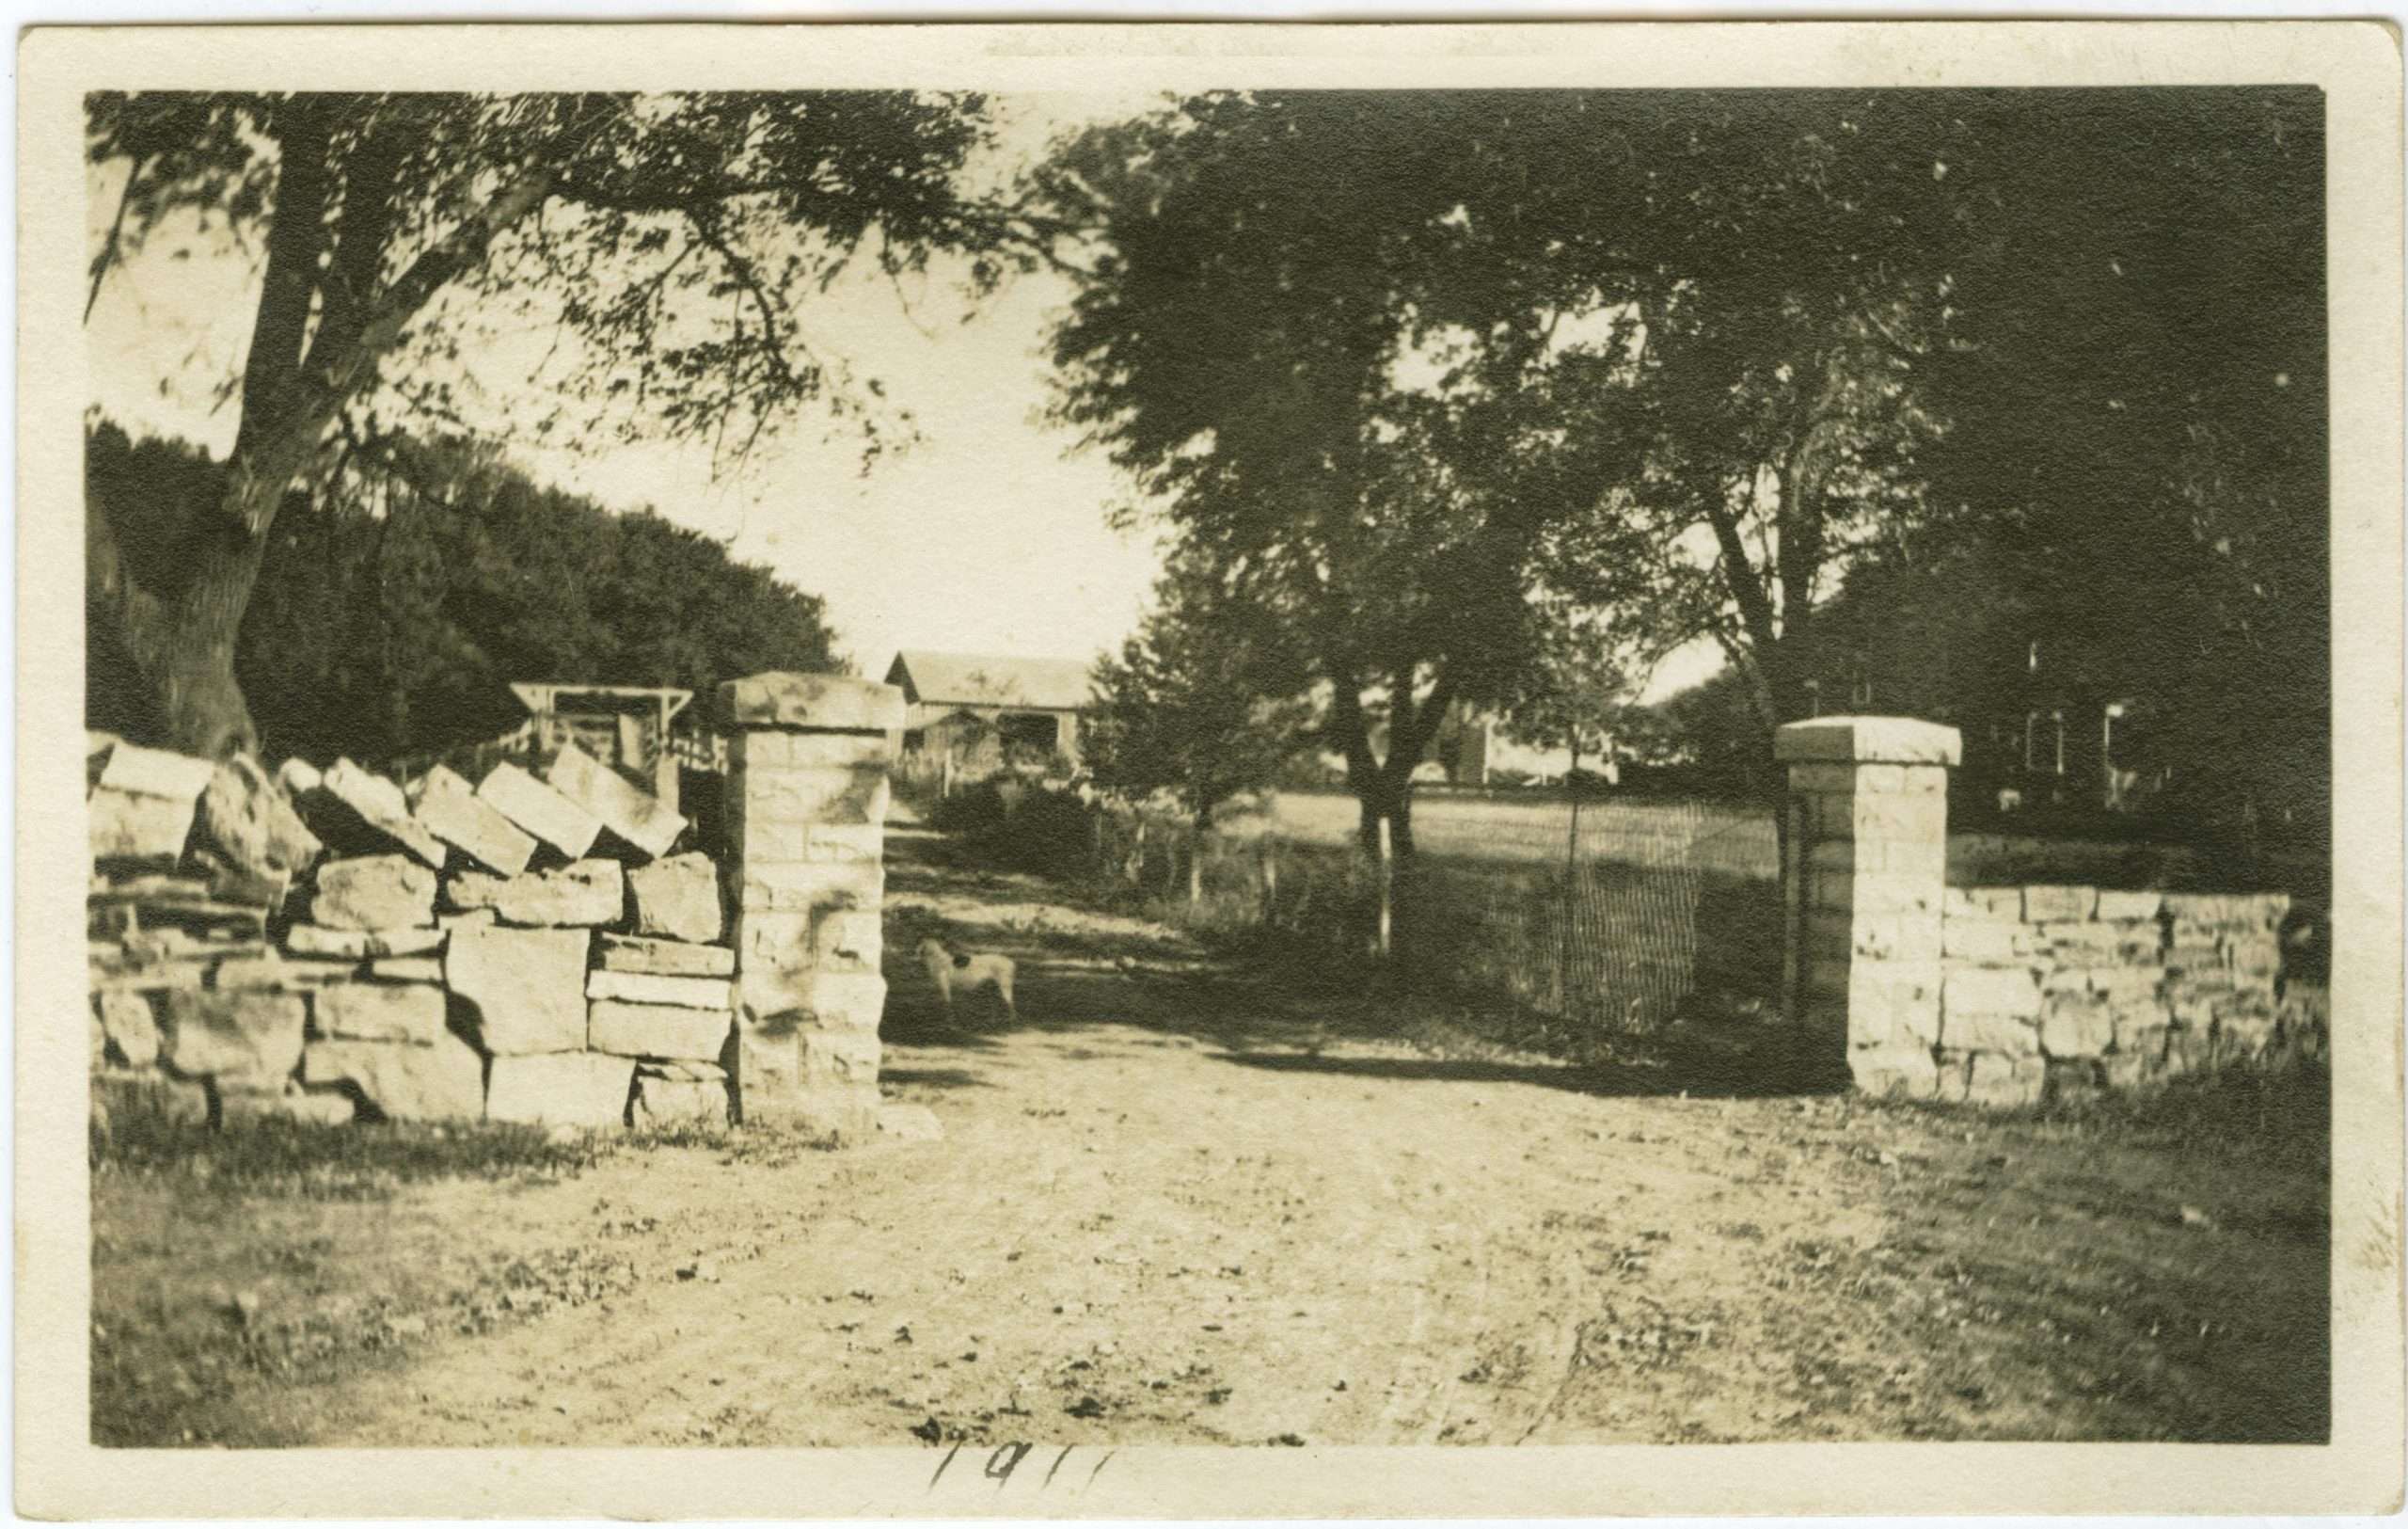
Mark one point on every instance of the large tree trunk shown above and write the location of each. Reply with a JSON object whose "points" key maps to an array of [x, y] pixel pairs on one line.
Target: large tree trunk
{"points": [[295, 379], [181, 641]]}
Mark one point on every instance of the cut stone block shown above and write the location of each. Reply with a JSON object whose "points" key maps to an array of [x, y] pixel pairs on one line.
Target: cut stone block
{"points": [[2007, 1034], [849, 939], [2123, 983], [768, 1071], [115, 968], [677, 898], [2052, 904], [636, 816], [848, 1058], [540, 810], [664, 1101], [822, 703], [2003, 1082], [247, 1038], [574, 1087], [2077, 1026], [376, 805], [362, 944], [131, 1025], [1985, 990], [299, 777], [805, 887], [526, 985], [588, 893], [767, 840], [452, 812], [847, 1000], [853, 795], [647, 987], [156, 773], [684, 1070], [2130, 905], [835, 1000], [406, 969], [265, 969], [373, 892], [244, 1107], [133, 827], [839, 1079], [650, 1030], [1991, 941], [666, 958], [466, 917], [2219, 911], [1908, 1071], [441, 1081], [246, 817], [763, 750], [261, 889], [410, 1012]]}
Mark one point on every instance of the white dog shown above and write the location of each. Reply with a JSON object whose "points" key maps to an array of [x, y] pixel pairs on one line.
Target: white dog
{"points": [[968, 973]]}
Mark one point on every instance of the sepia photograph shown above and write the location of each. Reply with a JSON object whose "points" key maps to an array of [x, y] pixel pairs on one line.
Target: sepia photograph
{"points": [[1010, 771]]}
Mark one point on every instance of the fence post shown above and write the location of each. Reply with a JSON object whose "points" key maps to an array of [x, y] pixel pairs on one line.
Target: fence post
{"points": [[1270, 885], [1868, 865], [806, 812], [1387, 886]]}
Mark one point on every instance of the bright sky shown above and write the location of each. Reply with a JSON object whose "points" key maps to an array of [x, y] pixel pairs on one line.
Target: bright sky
{"points": [[986, 535]]}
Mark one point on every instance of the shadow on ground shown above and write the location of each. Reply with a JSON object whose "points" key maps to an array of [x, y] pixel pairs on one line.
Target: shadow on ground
{"points": [[1082, 964], [1701, 1076]]}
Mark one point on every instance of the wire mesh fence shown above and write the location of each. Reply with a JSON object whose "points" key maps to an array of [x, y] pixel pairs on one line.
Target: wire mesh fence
{"points": [[1595, 919]]}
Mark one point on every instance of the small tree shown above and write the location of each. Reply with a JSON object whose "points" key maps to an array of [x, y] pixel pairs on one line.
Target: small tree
{"points": [[1203, 704], [1263, 340]]}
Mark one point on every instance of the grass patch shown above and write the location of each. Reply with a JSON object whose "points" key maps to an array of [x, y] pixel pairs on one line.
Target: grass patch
{"points": [[299, 1159], [234, 1270]]}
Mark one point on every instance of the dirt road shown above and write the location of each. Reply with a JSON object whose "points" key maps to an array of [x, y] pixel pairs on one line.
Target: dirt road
{"points": [[1167, 1208]]}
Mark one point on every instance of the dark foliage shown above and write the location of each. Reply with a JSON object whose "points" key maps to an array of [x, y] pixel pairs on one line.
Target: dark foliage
{"points": [[401, 601]]}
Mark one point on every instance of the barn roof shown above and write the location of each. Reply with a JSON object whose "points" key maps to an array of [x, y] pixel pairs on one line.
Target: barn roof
{"points": [[990, 679]]}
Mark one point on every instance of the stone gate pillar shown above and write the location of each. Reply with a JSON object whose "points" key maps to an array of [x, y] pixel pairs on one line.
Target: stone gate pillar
{"points": [[1867, 861], [806, 814]]}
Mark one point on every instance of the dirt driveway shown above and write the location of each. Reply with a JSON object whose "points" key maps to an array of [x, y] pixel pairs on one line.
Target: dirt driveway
{"points": [[1170, 1208]]}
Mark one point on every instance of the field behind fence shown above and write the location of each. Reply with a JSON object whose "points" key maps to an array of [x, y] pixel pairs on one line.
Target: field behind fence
{"points": [[1576, 929]]}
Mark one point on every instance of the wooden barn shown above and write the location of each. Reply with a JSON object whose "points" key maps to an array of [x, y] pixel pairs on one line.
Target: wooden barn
{"points": [[987, 710]]}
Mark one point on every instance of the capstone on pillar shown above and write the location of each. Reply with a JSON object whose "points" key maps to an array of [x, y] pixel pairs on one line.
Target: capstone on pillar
{"points": [[1867, 863], [806, 805]]}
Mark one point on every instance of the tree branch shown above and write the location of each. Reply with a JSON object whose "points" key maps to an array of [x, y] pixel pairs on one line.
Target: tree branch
{"points": [[110, 246]]}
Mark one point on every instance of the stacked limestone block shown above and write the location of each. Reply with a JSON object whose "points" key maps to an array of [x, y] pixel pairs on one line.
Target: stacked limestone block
{"points": [[2050, 988], [2225, 987], [191, 863], [807, 793], [1869, 839], [510, 951]]}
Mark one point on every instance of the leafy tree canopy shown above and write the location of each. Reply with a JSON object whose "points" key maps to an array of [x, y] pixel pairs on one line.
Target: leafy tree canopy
{"points": [[398, 603]]}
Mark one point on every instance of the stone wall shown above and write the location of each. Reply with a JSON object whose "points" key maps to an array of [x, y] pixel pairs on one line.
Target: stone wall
{"points": [[325, 946], [1867, 846], [2008, 994], [806, 796], [2047, 989]]}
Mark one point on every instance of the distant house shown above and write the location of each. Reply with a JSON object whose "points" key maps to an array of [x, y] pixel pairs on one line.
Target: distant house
{"points": [[983, 710]]}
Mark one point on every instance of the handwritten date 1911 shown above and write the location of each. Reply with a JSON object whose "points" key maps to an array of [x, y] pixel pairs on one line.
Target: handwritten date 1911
{"points": [[1006, 1459]]}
